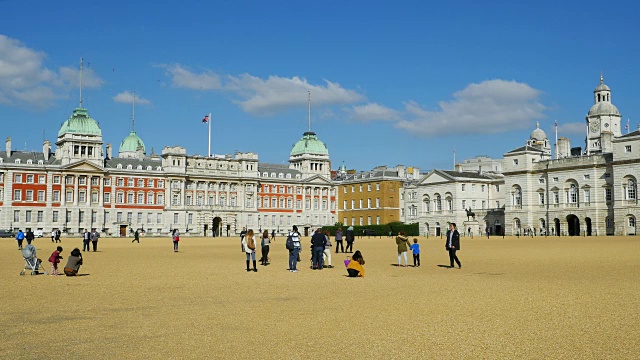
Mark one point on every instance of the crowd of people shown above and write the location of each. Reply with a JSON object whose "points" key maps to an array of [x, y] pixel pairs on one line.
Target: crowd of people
{"points": [[29, 253]]}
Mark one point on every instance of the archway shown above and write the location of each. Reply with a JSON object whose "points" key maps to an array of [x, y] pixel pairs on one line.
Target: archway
{"points": [[216, 226], [437, 229], [556, 229], [631, 225], [426, 228], [587, 222], [573, 224]]}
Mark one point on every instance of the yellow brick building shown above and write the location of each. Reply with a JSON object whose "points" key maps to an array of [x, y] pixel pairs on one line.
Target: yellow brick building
{"points": [[374, 197]]}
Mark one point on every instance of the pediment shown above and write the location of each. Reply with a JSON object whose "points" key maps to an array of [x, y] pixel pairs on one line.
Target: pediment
{"points": [[435, 177], [318, 180], [83, 165]]}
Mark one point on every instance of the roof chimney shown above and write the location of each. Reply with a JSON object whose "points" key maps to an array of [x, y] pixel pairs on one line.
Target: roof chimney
{"points": [[46, 149], [8, 146], [109, 151]]}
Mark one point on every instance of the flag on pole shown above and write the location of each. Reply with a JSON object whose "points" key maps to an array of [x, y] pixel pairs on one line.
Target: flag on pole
{"points": [[205, 119], [556, 123]]}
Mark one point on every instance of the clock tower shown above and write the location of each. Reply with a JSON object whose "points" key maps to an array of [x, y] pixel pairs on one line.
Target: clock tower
{"points": [[603, 117]]}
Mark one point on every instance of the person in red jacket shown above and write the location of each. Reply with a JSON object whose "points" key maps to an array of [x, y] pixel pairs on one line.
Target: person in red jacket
{"points": [[54, 259]]}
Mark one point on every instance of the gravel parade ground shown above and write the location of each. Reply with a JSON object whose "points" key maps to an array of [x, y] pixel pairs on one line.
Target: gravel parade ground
{"points": [[526, 298]]}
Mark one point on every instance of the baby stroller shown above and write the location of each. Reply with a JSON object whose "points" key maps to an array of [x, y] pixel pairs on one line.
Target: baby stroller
{"points": [[32, 263]]}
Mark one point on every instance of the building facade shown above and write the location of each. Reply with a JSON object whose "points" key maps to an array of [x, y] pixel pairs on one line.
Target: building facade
{"points": [[80, 186]]}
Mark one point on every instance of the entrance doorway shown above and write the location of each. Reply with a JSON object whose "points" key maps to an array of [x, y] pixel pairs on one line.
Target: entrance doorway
{"points": [[556, 228], [215, 226], [574, 225], [123, 230], [206, 227], [587, 222], [437, 229]]}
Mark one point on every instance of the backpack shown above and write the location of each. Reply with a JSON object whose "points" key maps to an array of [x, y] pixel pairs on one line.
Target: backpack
{"points": [[289, 243], [250, 244]]}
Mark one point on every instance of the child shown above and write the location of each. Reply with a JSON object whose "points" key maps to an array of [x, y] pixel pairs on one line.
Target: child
{"points": [[54, 259], [415, 248]]}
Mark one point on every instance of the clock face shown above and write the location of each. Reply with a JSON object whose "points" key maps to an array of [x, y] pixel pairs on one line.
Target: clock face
{"points": [[606, 125], [595, 126]]}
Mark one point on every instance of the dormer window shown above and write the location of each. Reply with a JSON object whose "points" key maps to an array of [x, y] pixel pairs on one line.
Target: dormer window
{"points": [[280, 175], [129, 167], [265, 174], [29, 162], [17, 161], [273, 175], [40, 162], [149, 168], [159, 168], [288, 176], [139, 167], [119, 166]]}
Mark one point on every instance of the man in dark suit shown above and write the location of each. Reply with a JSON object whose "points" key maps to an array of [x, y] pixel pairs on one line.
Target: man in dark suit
{"points": [[453, 244]]}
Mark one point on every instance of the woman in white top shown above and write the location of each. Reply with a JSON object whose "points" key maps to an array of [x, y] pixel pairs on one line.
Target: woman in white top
{"points": [[249, 246]]}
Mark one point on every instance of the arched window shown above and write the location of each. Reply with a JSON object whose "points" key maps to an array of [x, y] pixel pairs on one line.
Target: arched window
{"points": [[572, 194], [438, 203], [631, 189], [517, 197]]}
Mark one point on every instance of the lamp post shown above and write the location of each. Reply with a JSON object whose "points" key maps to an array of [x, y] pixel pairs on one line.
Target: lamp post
{"points": [[259, 224], [187, 222]]}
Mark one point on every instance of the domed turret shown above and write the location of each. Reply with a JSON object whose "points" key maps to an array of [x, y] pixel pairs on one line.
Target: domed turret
{"points": [[309, 144], [129, 146], [80, 123], [538, 134], [603, 108]]}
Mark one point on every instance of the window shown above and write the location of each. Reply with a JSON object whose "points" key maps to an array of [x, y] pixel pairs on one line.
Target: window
{"points": [[607, 175], [159, 218], [107, 197], [42, 179], [556, 197], [473, 188], [482, 188], [16, 215], [368, 220], [69, 196], [473, 204], [129, 217], [130, 198], [438, 203], [632, 222], [360, 204], [377, 202], [160, 183], [572, 194], [378, 220], [82, 180], [541, 198], [130, 182], [627, 148], [587, 196], [119, 217], [29, 179], [541, 180], [120, 198], [107, 182], [517, 197], [344, 188], [68, 180], [353, 204], [369, 204], [353, 188], [463, 186], [631, 189], [55, 216], [139, 218], [464, 204], [175, 218], [484, 204], [515, 161], [361, 188], [161, 199], [17, 195], [140, 199], [17, 178], [28, 216], [120, 182], [40, 195], [555, 179], [586, 176], [56, 179], [29, 195], [377, 187], [344, 204], [150, 198], [56, 196], [140, 182], [94, 181], [368, 187], [82, 196]]}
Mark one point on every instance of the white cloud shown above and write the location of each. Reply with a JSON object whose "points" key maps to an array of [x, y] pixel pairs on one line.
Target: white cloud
{"points": [[373, 111], [127, 98], [184, 78], [492, 106], [25, 81], [261, 96], [573, 128]]}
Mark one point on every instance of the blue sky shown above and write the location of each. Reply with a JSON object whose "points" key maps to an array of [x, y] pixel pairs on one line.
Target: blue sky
{"points": [[391, 82]]}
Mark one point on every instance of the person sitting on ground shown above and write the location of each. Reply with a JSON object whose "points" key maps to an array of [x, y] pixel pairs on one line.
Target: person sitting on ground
{"points": [[73, 263], [355, 268]]}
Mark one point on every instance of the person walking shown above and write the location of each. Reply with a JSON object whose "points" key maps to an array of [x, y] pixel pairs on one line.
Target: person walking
{"points": [[351, 237], [452, 245], [264, 244], [327, 249], [94, 236], [175, 235], [58, 233], [29, 236], [136, 237], [86, 238], [273, 234], [53, 235], [249, 245], [403, 245], [318, 242], [20, 238], [339, 244], [295, 249]]}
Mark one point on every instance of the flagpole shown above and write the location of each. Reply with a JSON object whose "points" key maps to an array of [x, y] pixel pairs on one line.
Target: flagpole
{"points": [[557, 139], [209, 123]]}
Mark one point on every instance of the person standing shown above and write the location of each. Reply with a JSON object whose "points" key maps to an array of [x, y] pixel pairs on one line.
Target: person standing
{"points": [[403, 245], [86, 238], [94, 236], [327, 249], [20, 238], [58, 233], [249, 245], [339, 244], [318, 242], [53, 235], [295, 251], [273, 234], [351, 237], [264, 244], [242, 234], [54, 259], [136, 237], [452, 245], [415, 249], [175, 235]]}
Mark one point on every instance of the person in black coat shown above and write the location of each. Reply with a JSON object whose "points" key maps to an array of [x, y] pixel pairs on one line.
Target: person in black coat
{"points": [[350, 237], [453, 244], [318, 243]]}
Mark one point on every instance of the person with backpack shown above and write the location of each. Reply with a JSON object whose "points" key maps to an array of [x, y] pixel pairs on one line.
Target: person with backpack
{"points": [[294, 246], [249, 246]]}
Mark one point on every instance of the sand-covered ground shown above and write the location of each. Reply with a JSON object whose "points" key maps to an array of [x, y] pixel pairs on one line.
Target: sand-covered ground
{"points": [[553, 298]]}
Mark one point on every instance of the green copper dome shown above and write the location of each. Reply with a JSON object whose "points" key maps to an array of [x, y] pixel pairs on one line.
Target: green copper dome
{"points": [[131, 143], [80, 123], [309, 144]]}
